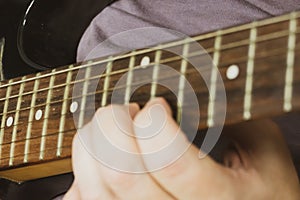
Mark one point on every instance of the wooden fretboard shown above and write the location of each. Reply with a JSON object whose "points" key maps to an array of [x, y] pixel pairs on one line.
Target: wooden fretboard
{"points": [[259, 64]]}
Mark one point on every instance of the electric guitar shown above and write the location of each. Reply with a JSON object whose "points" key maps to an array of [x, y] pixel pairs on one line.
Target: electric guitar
{"points": [[259, 64]]}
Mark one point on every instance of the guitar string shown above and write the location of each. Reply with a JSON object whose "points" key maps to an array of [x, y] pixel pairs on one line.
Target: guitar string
{"points": [[276, 51], [52, 150], [88, 94], [66, 147], [46, 149], [114, 73], [49, 88], [98, 92], [281, 19], [56, 133], [38, 137], [66, 133], [231, 46], [55, 148]]}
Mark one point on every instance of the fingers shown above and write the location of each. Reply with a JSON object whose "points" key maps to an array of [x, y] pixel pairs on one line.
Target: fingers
{"points": [[178, 162], [106, 157], [111, 151]]}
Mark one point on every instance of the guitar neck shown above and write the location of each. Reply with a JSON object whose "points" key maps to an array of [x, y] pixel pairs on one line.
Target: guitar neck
{"points": [[258, 63]]}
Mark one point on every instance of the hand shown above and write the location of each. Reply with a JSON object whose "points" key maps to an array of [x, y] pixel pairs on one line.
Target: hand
{"points": [[256, 166]]}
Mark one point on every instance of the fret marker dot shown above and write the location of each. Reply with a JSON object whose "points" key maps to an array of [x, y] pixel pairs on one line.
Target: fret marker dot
{"points": [[38, 114], [232, 72], [9, 121], [145, 61], [74, 107]]}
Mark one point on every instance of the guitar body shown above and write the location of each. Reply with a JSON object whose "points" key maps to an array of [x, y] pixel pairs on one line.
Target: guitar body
{"points": [[45, 40], [40, 189]]}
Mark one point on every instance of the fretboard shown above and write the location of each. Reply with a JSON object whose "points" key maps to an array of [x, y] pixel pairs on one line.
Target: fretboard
{"points": [[259, 64]]}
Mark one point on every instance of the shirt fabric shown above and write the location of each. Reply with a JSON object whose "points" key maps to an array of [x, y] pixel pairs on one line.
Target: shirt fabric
{"points": [[191, 17]]}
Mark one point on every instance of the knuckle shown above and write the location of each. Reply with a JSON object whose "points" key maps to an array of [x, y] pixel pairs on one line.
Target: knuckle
{"points": [[120, 179]]}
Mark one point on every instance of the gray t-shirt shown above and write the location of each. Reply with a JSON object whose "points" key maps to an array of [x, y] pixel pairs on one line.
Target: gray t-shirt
{"points": [[190, 17]]}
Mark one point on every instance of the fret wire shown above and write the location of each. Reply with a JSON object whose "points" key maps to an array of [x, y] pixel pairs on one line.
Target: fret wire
{"points": [[100, 92], [63, 115], [172, 44], [271, 53], [213, 81], [184, 64], [2, 45], [124, 70], [32, 153], [288, 90], [30, 119], [48, 135], [14, 133], [129, 80], [8, 91], [46, 115], [106, 83], [248, 26], [259, 39], [73, 82], [209, 50], [188, 71], [208, 35], [155, 73], [52, 134], [83, 100], [59, 101], [138, 83], [249, 73]]}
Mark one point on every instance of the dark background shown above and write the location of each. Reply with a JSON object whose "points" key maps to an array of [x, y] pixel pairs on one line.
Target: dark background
{"points": [[10, 14], [51, 34]]}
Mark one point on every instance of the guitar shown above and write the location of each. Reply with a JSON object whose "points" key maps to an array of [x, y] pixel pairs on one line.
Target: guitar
{"points": [[37, 124]]}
